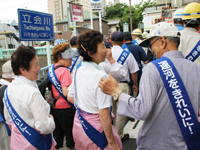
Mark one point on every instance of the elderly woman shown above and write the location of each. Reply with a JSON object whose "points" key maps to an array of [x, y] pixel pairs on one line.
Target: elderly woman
{"points": [[94, 129], [63, 112], [25, 109]]}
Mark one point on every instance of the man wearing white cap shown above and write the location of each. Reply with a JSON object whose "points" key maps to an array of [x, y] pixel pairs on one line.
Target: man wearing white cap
{"points": [[7, 77], [168, 100]]}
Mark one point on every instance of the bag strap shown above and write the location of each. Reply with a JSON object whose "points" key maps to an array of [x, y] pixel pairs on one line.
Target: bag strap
{"points": [[59, 93], [180, 102], [2, 89], [56, 83]]}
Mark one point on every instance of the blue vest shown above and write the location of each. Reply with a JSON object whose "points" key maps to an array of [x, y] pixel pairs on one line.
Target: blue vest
{"points": [[32, 136], [180, 102]]}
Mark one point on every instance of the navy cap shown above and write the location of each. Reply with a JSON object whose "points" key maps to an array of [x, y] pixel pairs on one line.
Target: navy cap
{"points": [[117, 36], [59, 32], [73, 41]]}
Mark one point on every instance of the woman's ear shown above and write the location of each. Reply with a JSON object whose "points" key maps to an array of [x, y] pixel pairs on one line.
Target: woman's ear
{"points": [[89, 53], [60, 58], [23, 71]]}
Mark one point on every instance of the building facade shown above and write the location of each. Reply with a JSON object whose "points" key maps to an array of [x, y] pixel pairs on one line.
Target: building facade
{"points": [[116, 2], [59, 8], [175, 3], [62, 25]]}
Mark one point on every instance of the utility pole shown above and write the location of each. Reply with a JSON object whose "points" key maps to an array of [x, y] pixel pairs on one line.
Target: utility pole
{"points": [[131, 16]]}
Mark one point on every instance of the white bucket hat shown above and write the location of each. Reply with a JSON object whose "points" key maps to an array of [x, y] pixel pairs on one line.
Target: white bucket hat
{"points": [[7, 71], [161, 29]]}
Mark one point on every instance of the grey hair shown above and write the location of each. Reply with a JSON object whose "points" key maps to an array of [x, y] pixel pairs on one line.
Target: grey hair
{"points": [[174, 40]]}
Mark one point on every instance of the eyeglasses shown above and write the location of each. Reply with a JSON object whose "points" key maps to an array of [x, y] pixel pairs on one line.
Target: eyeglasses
{"points": [[152, 43]]}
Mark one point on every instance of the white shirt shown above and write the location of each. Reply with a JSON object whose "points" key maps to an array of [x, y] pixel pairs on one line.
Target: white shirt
{"points": [[90, 98], [188, 40], [129, 65], [138, 40], [78, 61], [27, 101], [4, 82]]}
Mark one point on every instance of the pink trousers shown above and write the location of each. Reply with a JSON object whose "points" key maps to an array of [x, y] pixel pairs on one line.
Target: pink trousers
{"points": [[18, 141], [82, 141]]}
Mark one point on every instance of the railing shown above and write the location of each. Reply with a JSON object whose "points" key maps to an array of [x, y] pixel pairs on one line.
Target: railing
{"points": [[6, 53], [43, 71]]}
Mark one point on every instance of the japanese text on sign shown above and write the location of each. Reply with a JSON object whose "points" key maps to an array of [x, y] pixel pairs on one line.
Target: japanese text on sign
{"points": [[35, 26]]}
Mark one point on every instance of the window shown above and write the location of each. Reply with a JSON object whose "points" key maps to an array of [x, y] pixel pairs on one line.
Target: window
{"points": [[188, 1], [87, 26], [65, 28]]}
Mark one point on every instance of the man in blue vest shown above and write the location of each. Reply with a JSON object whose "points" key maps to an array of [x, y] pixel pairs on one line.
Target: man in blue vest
{"points": [[168, 99], [108, 42], [177, 18], [137, 51], [60, 39], [136, 36]]}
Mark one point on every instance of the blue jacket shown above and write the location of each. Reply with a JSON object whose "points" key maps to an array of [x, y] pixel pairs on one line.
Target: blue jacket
{"points": [[107, 43]]}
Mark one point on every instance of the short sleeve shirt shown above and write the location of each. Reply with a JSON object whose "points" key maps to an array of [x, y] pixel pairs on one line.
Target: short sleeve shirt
{"points": [[129, 65], [90, 98], [64, 77], [137, 52]]}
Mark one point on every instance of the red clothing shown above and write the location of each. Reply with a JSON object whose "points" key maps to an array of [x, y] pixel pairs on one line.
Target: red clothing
{"points": [[65, 79]]}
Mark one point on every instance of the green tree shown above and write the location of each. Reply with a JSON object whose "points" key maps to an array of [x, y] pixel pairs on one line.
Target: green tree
{"points": [[122, 11]]}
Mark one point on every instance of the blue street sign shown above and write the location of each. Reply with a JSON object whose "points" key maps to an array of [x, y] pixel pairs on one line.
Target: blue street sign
{"points": [[35, 26]]}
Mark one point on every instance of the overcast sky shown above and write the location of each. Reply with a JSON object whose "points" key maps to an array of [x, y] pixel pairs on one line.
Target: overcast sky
{"points": [[9, 7]]}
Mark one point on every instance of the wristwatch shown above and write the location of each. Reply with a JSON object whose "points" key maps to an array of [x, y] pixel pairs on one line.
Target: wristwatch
{"points": [[115, 97]]}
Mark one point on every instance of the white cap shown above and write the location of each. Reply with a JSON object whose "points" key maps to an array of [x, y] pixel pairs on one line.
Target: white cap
{"points": [[7, 71], [145, 35], [178, 14], [161, 29]]}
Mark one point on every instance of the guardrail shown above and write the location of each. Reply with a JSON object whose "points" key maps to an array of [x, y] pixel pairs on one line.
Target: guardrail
{"points": [[6, 53], [43, 71]]}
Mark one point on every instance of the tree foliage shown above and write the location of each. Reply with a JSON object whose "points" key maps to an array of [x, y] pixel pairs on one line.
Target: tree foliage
{"points": [[122, 11]]}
